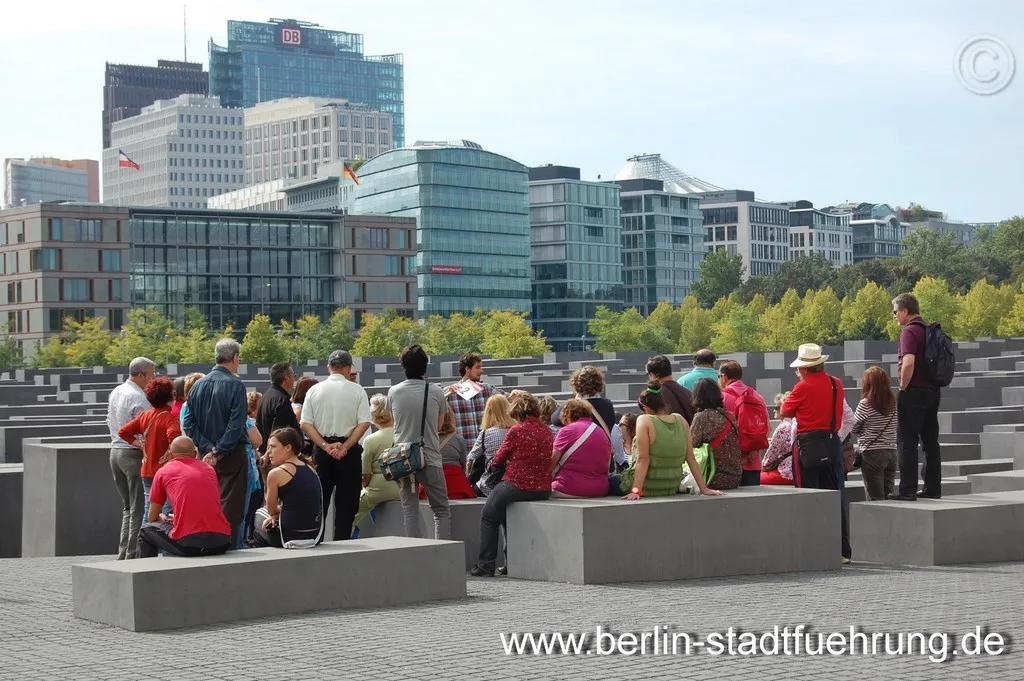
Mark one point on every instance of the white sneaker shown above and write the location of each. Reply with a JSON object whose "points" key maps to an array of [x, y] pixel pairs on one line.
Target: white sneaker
{"points": [[846, 561]]}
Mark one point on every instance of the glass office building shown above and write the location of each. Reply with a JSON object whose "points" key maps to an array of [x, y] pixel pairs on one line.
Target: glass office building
{"points": [[876, 230], [662, 243], [287, 58], [576, 254], [473, 222], [233, 265]]}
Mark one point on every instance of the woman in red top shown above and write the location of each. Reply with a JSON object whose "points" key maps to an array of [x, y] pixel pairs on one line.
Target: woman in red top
{"points": [[153, 431], [526, 456]]}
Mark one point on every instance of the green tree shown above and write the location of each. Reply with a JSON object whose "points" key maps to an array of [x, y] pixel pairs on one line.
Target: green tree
{"points": [[336, 334], [375, 338], [738, 332], [777, 329], [868, 314], [627, 331], [757, 305], [814, 272], [457, 335], [53, 353], [982, 309], [195, 347], [695, 329], [87, 342], [937, 303], [11, 355], [507, 334], [939, 254], [668, 318], [818, 321], [720, 275], [1013, 323], [261, 344]]}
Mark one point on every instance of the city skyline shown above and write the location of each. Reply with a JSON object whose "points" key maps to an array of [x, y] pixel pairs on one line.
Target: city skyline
{"points": [[793, 102]]}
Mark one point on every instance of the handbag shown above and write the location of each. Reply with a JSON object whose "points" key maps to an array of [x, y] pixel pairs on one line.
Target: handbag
{"points": [[575, 445], [861, 448], [815, 448], [405, 459]]}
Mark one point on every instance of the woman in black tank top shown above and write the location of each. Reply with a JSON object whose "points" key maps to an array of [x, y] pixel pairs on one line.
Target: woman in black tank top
{"points": [[294, 510]]}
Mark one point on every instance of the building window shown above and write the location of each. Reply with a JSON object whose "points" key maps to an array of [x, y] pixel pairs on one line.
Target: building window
{"points": [[44, 259], [110, 261], [75, 289], [54, 231]]}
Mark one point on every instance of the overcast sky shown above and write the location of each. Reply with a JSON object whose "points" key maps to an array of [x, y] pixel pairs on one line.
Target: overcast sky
{"points": [[802, 99]]}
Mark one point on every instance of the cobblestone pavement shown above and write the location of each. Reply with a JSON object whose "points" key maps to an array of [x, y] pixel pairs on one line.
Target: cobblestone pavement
{"points": [[461, 639]]}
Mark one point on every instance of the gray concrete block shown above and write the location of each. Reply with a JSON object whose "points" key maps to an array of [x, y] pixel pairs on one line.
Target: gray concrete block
{"points": [[71, 506], [1000, 481], [10, 509], [12, 437], [390, 522], [156, 594], [974, 528], [954, 469], [607, 540], [950, 486]]}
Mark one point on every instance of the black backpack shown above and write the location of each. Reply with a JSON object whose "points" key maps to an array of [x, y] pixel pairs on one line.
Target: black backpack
{"points": [[939, 363]]}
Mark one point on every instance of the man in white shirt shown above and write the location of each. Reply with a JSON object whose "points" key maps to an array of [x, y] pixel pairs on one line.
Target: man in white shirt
{"points": [[127, 401], [335, 414]]}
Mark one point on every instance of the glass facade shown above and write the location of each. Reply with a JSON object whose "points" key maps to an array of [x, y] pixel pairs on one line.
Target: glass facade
{"points": [[27, 183], [233, 265], [662, 246], [267, 61], [576, 258], [473, 226]]}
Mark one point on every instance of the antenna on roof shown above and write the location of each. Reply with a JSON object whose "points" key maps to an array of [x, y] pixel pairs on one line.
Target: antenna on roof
{"points": [[184, 25]]}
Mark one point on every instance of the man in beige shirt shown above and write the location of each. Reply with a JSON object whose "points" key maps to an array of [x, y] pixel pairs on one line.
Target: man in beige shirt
{"points": [[335, 415]]}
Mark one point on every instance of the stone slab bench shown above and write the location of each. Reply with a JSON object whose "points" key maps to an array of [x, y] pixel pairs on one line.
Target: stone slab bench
{"points": [[1000, 481], [960, 468], [390, 522], [950, 486], [156, 594], [756, 530], [10, 509], [973, 528], [71, 506]]}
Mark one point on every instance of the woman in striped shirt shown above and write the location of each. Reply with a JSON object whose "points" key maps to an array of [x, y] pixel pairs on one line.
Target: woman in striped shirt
{"points": [[874, 422]]}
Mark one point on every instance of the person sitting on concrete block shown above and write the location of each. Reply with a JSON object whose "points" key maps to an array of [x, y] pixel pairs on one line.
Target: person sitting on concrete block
{"points": [[581, 454], [294, 514], [197, 526], [777, 464]]}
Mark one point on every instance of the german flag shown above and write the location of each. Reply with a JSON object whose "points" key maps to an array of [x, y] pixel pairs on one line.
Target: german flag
{"points": [[351, 174]]}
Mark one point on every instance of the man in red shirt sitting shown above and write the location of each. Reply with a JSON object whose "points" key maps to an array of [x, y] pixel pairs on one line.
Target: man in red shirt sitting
{"points": [[752, 419], [196, 526], [817, 403]]}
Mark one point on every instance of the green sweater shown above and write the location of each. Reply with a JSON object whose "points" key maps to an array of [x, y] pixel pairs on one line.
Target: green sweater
{"points": [[667, 456]]}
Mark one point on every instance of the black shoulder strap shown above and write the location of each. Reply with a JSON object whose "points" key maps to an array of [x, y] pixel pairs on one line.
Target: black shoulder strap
{"points": [[423, 422], [835, 394]]}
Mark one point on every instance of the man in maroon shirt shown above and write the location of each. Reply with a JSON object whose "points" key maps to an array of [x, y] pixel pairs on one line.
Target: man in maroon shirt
{"points": [[817, 403], [197, 526], [917, 406]]}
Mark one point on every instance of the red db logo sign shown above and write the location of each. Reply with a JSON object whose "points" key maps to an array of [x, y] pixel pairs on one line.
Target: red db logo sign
{"points": [[291, 36]]}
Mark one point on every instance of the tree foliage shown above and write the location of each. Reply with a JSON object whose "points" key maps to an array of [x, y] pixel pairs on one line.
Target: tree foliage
{"points": [[720, 275]]}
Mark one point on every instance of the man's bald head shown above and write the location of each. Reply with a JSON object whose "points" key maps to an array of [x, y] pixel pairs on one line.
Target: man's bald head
{"points": [[183, 446]]}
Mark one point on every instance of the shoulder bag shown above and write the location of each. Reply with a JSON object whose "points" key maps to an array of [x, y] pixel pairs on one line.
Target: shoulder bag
{"points": [[815, 448], [575, 445], [406, 458]]}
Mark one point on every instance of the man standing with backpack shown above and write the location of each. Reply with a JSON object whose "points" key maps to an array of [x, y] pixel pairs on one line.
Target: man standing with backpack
{"points": [[751, 413], [926, 365]]}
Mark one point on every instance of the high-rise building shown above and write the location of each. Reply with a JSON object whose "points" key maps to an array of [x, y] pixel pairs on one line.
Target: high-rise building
{"points": [[187, 149], [740, 225], [813, 230], [472, 215], [292, 138], [38, 180], [576, 259], [877, 231], [96, 260], [61, 260], [286, 58], [662, 243], [127, 88]]}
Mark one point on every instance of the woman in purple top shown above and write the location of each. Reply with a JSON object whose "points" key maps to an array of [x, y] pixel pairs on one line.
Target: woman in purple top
{"points": [[581, 453]]}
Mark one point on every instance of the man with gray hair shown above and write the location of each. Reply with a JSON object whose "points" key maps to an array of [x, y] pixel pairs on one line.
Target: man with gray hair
{"points": [[215, 421], [127, 401]]}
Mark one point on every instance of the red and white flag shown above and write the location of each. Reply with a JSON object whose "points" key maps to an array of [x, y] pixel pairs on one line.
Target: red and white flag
{"points": [[125, 162]]}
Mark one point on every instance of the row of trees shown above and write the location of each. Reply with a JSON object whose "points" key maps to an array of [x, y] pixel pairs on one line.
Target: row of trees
{"points": [[732, 325], [149, 333]]}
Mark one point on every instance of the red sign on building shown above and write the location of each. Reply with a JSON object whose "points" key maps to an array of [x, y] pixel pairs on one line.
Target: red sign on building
{"points": [[291, 36], [446, 269]]}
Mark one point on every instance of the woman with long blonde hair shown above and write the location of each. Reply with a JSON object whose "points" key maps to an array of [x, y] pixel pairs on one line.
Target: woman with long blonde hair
{"points": [[496, 422]]}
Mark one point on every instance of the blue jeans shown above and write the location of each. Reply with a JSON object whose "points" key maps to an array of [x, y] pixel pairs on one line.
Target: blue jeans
{"points": [[147, 484]]}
